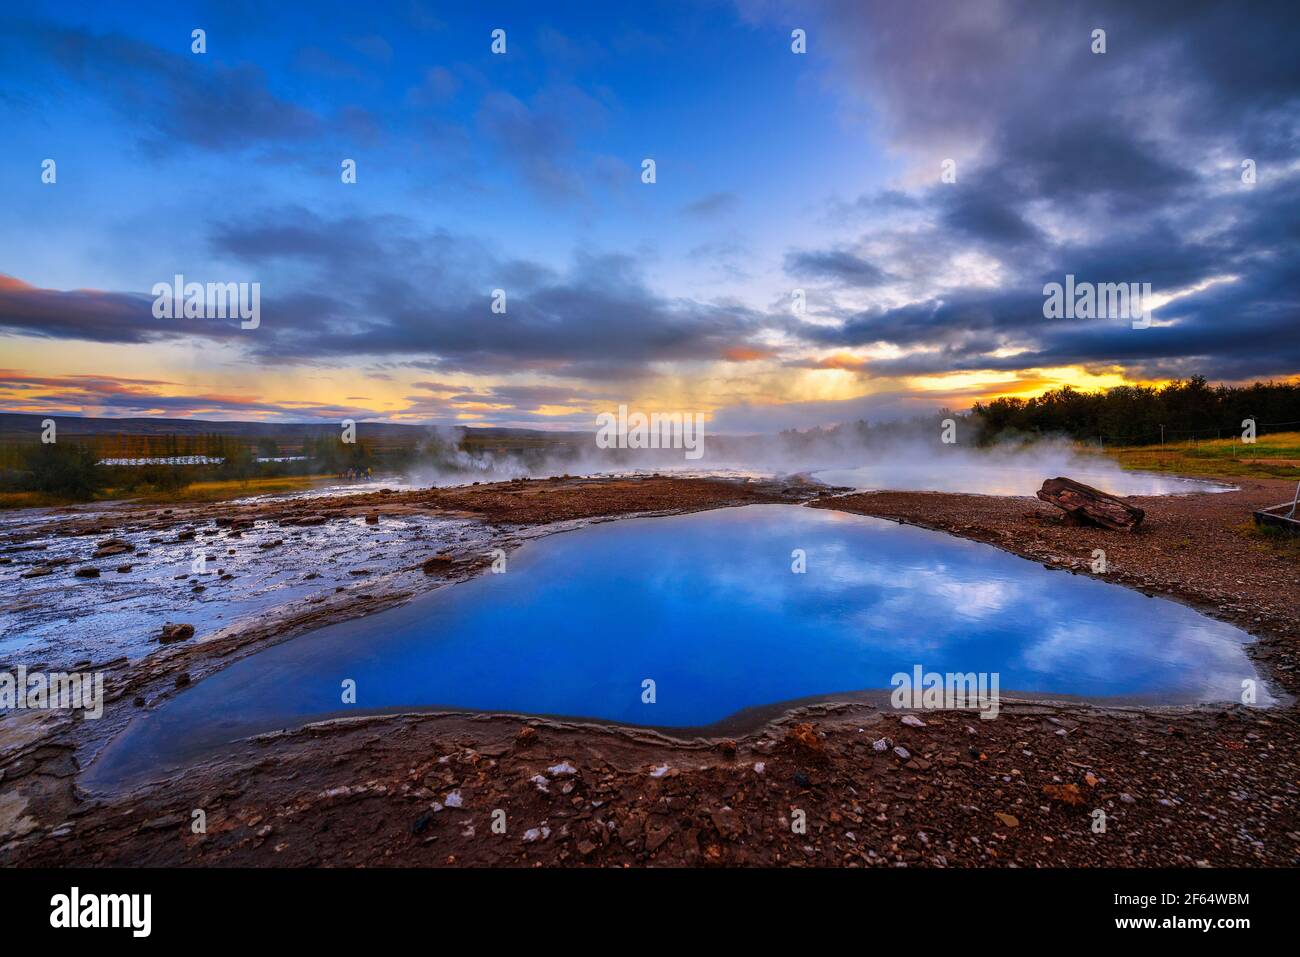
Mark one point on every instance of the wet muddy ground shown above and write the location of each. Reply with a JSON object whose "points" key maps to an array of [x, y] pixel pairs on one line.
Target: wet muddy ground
{"points": [[840, 783]]}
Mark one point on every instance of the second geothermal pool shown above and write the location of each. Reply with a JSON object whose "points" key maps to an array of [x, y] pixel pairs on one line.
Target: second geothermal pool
{"points": [[711, 608], [975, 476]]}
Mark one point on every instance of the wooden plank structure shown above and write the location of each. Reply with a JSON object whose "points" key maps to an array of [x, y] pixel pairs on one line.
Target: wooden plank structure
{"points": [[1084, 504], [1281, 516]]}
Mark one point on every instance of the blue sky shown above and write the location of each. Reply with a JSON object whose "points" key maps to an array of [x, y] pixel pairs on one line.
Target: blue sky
{"points": [[537, 151], [775, 171]]}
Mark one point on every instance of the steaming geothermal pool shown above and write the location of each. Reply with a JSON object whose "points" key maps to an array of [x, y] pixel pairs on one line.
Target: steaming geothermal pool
{"points": [[706, 605], [985, 478]]}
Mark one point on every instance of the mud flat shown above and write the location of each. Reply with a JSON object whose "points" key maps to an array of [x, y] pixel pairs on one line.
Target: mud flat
{"points": [[1177, 786]]}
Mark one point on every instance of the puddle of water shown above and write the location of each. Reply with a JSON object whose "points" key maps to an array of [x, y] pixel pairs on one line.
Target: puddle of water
{"points": [[978, 478], [706, 605]]}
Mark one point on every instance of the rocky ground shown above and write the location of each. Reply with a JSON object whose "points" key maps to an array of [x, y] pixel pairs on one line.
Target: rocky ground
{"points": [[838, 783], [834, 785], [516, 502]]}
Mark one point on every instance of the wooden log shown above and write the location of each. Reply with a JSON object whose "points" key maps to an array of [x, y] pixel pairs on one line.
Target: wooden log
{"points": [[1093, 506]]}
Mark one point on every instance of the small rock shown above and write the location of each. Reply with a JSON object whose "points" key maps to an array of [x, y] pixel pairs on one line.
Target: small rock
{"points": [[536, 834], [1065, 793], [726, 822], [113, 546], [177, 632], [436, 564], [804, 737], [161, 823]]}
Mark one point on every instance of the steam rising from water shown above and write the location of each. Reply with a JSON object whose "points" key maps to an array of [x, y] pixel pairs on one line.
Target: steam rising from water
{"points": [[910, 457]]}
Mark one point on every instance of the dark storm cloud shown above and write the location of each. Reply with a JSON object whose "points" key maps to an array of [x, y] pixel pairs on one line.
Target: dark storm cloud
{"points": [[1115, 167], [385, 287], [983, 217], [953, 73]]}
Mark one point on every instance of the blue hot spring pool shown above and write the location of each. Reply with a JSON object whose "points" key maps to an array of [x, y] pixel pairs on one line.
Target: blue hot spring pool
{"points": [[707, 606]]}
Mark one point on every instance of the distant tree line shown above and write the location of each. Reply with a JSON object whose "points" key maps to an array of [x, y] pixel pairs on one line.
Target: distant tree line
{"points": [[1137, 415], [330, 454]]}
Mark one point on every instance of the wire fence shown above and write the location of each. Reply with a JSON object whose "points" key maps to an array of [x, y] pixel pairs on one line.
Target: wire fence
{"points": [[1160, 436]]}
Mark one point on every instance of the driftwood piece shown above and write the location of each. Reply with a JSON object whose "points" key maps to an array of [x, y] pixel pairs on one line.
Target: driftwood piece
{"points": [[1093, 506]]}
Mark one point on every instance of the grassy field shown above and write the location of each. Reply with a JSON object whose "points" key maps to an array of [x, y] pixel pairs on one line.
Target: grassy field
{"points": [[195, 492], [234, 488], [1271, 456]]}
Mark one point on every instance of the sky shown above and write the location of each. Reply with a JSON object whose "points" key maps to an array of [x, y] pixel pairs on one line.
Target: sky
{"points": [[913, 179]]}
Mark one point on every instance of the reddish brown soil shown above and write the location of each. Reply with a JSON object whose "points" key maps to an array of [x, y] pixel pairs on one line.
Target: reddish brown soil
{"points": [[1183, 788]]}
